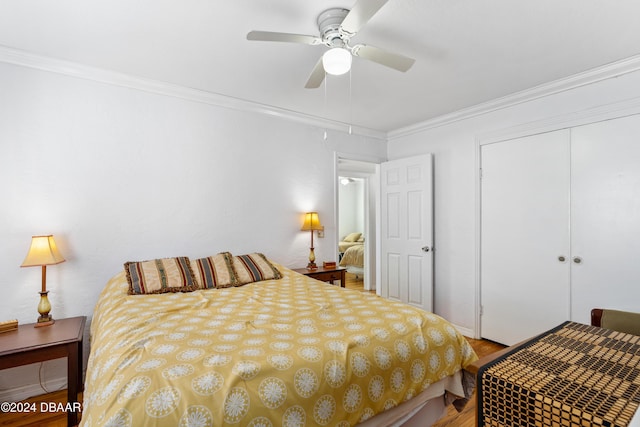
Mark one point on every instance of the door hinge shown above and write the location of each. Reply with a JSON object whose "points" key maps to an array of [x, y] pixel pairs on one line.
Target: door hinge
{"points": [[481, 310], [480, 172]]}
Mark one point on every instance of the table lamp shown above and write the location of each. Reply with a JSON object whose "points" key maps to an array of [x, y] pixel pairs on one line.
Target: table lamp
{"points": [[311, 223], [43, 252]]}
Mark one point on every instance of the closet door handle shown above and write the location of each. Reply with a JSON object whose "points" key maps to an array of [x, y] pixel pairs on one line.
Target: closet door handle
{"points": [[562, 258], [577, 259], [426, 249]]}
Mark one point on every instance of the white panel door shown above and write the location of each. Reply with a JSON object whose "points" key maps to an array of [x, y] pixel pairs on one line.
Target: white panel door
{"points": [[407, 231], [525, 258], [605, 214]]}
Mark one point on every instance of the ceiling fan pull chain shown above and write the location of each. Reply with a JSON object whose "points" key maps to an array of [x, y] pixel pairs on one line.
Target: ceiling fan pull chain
{"points": [[350, 103], [324, 113]]}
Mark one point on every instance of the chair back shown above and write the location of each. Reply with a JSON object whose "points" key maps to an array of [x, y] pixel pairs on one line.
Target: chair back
{"points": [[621, 321]]}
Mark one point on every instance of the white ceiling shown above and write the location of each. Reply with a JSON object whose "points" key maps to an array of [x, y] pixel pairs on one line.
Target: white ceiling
{"points": [[467, 51]]}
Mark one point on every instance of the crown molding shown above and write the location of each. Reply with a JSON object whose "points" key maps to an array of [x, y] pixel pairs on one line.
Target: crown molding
{"points": [[614, 69], [77, 70], [81, 71]]}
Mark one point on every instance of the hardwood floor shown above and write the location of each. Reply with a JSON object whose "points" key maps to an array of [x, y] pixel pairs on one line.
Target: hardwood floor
{"points": [[466, 418], [353, 282], [38, 418]]}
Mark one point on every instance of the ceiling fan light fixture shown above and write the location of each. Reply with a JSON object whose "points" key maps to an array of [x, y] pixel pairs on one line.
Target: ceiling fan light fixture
{"points": [[336, 61]]}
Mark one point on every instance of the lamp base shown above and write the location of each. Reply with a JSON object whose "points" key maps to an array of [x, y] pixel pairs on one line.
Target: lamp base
{"points": [[312, 256], [44, 322], [44, 307]]}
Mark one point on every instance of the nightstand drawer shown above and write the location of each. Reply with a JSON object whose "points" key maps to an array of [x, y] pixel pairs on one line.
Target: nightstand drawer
{"points": [[325, 275]]}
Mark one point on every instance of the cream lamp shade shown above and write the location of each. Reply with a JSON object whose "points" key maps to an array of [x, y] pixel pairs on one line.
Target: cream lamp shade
{"points": [[311, 222], [336, 61], [43, 252]]}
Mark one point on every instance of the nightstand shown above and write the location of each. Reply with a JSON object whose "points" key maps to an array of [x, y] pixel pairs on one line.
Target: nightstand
{"points": [[325, 274], [28, 345]]}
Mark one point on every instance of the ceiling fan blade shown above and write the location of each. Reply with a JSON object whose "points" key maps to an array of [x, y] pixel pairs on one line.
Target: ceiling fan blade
{"points": [[269, 36], [317, 76], [392, 60], [360, 14]]}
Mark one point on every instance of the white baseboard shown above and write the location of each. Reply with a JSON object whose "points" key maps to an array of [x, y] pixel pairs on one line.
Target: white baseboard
{"points": [[21, 393], [465, 331]]}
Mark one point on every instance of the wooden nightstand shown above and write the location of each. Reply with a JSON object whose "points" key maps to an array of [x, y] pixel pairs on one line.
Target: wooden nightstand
{"points": [[28, 345], [325, 274]]}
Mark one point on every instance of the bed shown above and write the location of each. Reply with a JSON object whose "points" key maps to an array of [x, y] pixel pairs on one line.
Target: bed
{"points": [[289, 350], [353, 259], [351, 239]]}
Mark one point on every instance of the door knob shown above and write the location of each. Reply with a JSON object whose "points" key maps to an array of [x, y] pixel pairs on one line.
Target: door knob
{"points": [[562, 258], [577, 259], [425, 249]]}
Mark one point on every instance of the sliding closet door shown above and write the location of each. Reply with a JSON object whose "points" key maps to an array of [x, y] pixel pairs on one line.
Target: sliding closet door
{"points": [[605, 208], [524, 236]]}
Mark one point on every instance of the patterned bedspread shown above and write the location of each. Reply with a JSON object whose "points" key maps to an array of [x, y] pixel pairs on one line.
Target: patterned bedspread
{"points": [[290, 352]]}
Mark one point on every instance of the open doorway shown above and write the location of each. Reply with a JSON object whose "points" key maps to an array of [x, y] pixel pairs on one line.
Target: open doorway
{"points": [[356, 191]]}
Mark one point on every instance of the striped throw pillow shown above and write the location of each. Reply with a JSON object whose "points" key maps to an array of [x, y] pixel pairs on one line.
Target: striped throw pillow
{"points": [[159, 276], [215, 271], [253, 268]]}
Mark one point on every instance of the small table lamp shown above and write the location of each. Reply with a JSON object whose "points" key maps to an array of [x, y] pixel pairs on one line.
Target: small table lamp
{"points": [[311, 223], [43, 252]]}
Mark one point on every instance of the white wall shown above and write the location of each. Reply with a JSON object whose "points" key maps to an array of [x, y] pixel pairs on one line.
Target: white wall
{"points": [[351, 202], [454, 148], [119, 174]]}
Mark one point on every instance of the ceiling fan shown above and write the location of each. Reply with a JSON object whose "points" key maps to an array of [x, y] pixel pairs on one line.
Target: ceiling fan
{"points": [[337, 26]]}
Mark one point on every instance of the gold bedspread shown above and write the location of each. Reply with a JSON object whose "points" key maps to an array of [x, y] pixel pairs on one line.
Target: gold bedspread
{"points": [[287, 352]]}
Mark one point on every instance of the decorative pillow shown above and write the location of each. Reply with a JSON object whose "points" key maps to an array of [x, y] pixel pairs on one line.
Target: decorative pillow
{"points": [[253, 268], [215, 271], [361, 239], [352, 237], [159, 276]]}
